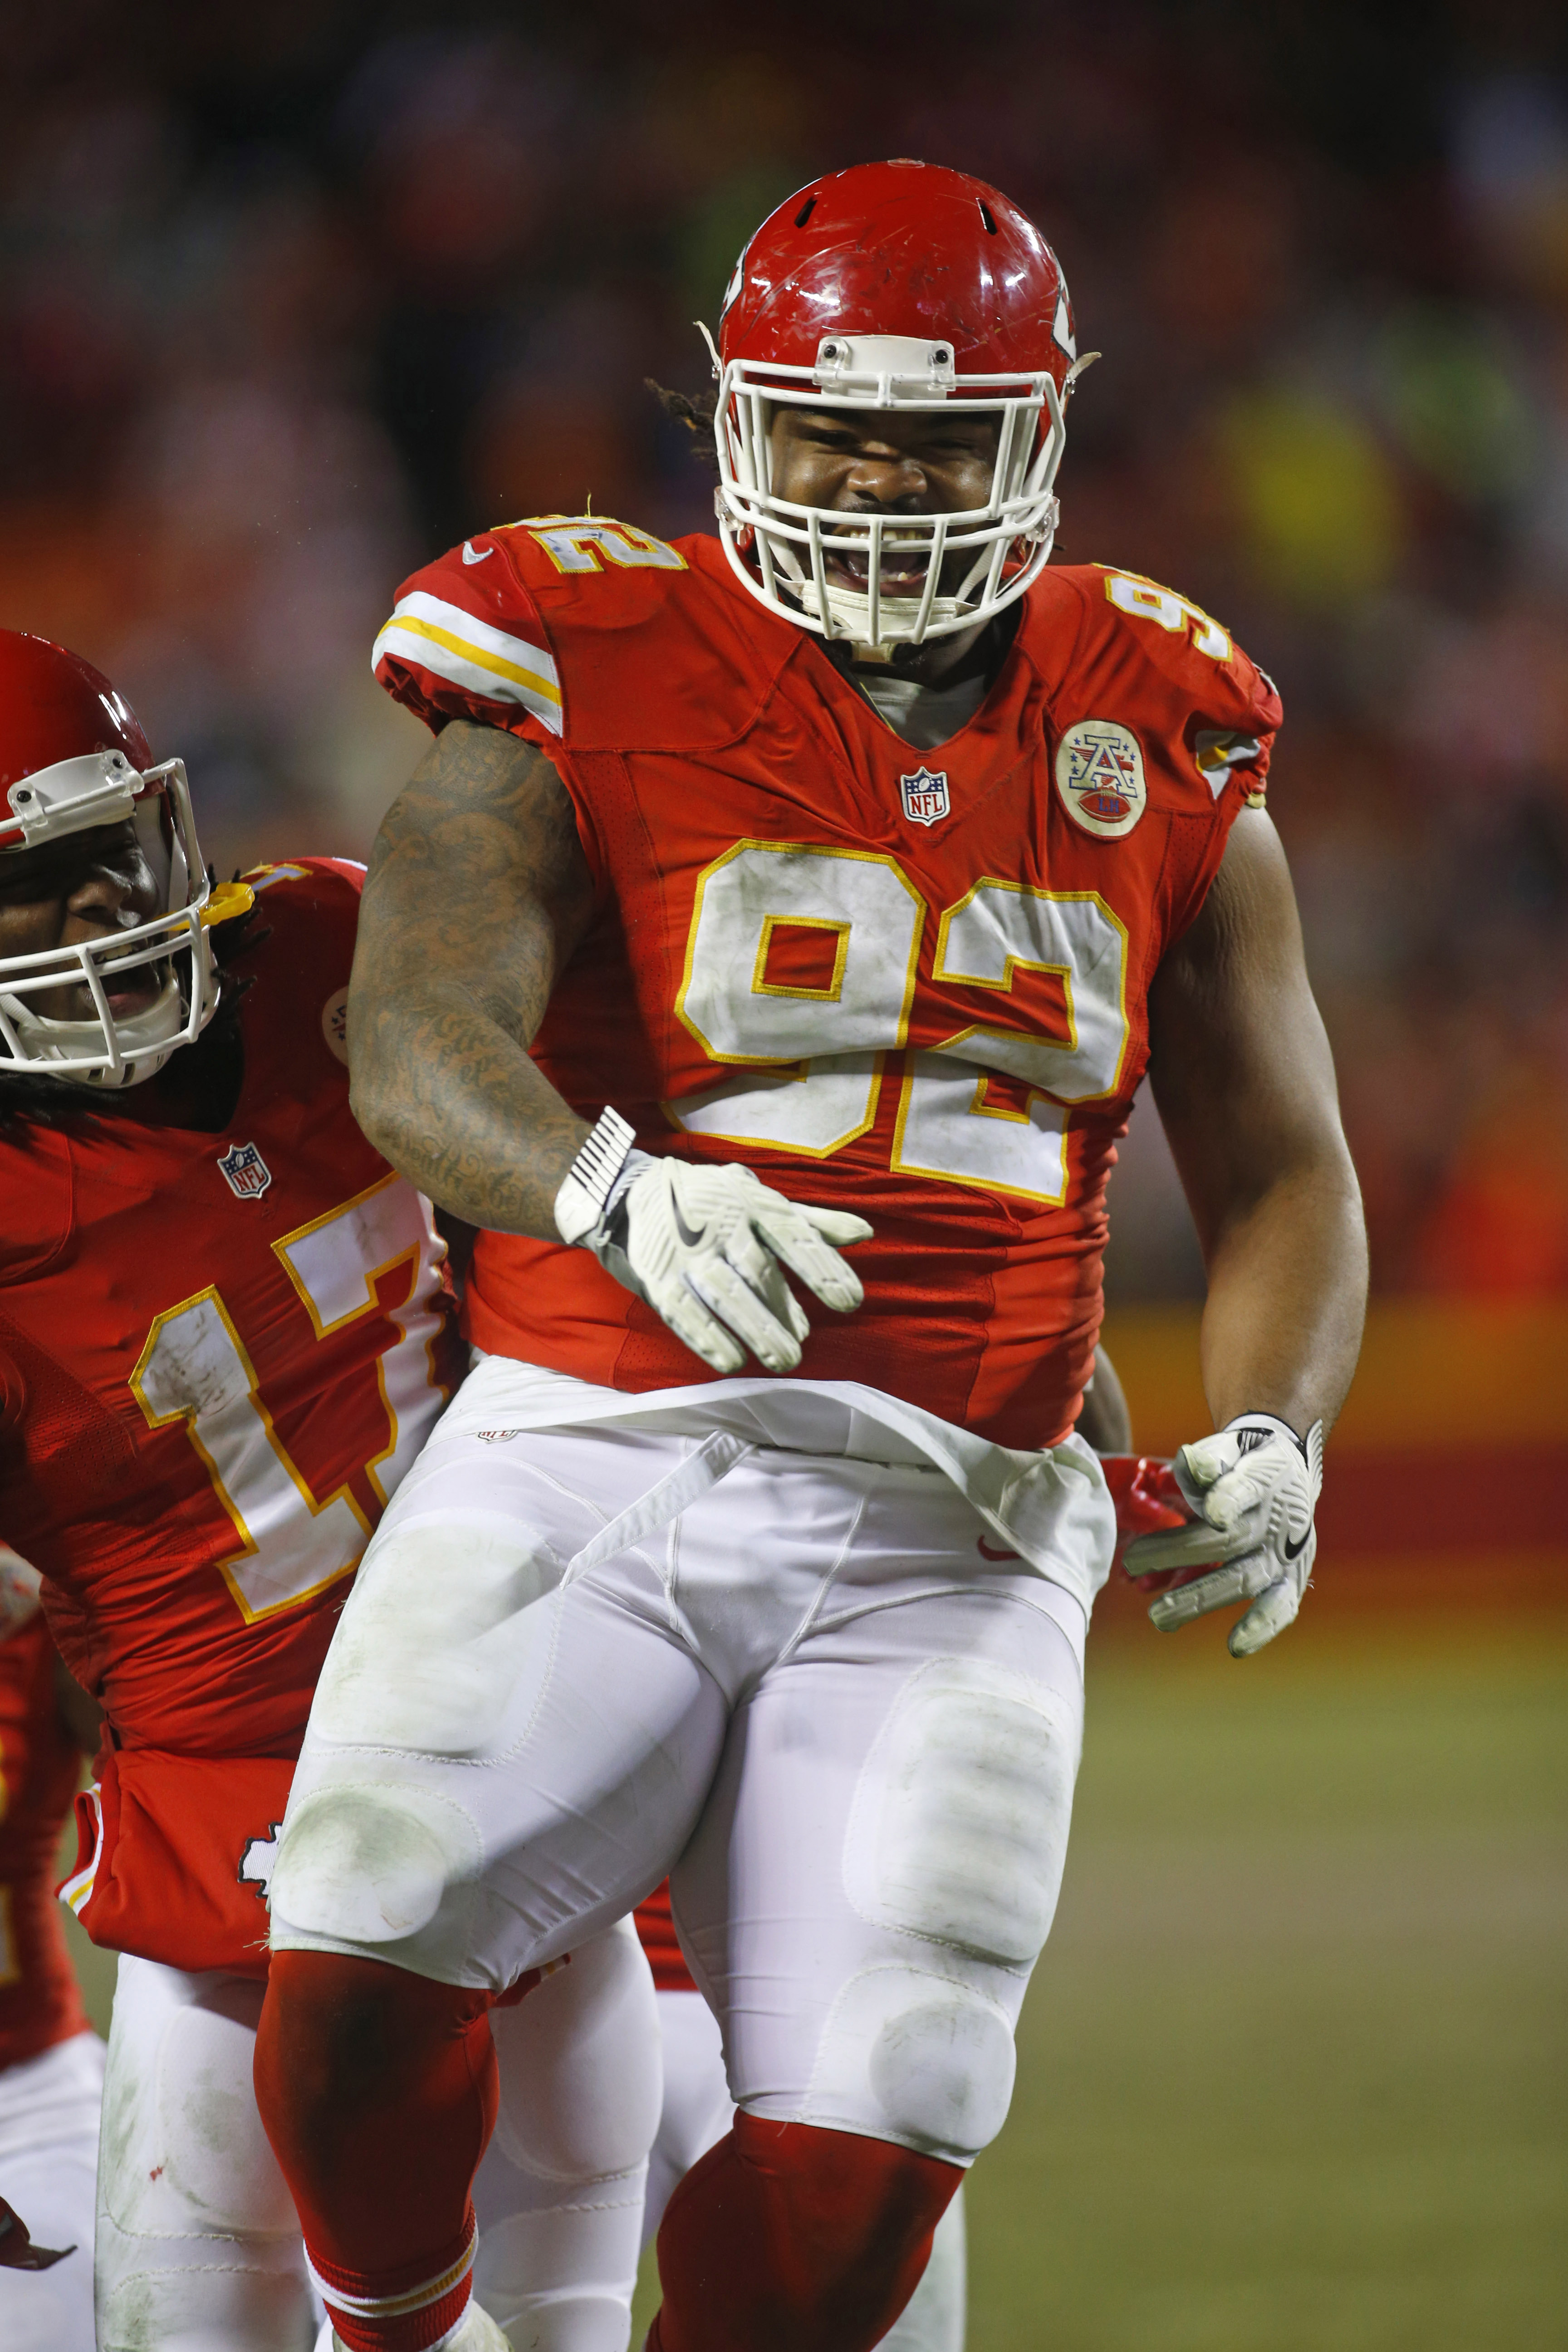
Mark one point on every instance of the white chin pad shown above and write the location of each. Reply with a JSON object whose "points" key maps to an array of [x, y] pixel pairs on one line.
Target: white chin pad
{"points": [[898, 617]]}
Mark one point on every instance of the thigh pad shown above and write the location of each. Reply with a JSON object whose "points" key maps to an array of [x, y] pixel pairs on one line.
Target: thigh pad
{"points": [[959, 1827]]}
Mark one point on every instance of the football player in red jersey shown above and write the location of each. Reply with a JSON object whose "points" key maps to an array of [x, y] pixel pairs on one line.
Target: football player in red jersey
{"points": [[224, 1337], [51, 2062], [827, 889]]}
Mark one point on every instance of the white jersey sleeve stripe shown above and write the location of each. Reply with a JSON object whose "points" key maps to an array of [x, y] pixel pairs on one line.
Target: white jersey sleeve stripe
{"points": [[456, 644]]}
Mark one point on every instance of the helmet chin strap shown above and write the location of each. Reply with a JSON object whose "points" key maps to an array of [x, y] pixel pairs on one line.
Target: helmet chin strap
{"points": [[897, 618], [847, 619]]}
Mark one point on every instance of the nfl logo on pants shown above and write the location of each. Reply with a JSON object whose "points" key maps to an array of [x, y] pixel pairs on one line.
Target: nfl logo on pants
{"points": [[924, 796]]}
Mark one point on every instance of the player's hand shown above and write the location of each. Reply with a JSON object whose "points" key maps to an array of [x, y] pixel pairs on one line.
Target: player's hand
{"points": [[706, 1247], [1252, 1488]]}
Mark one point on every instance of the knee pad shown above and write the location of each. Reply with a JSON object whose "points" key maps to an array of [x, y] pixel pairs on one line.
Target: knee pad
{"points": [[579, 2064], [559, 2195], [959, 1826], [428, 1655], [920, 2058], [197, 2239], [182, 2146], [365, 1864]]}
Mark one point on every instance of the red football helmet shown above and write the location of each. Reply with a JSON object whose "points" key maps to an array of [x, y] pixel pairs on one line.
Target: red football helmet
{"points": [[895, 286], [72, 757]]}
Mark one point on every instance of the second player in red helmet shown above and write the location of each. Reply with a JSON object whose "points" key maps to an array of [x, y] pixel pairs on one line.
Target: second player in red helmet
{"points": [[225, 1335], [105, 1002]]}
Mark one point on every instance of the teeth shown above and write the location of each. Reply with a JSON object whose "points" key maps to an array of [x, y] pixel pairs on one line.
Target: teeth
{"points": [[859, 566]]}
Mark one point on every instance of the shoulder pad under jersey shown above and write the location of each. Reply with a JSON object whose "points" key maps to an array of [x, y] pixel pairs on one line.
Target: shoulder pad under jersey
{"points": [[1160, 664], [583, 633]]}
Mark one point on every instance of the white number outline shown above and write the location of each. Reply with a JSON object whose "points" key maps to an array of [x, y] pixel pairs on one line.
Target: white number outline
{"points": [[411, 1253], [784, 1073], [1146, 600], [575, 542], [189, 1414], [798, 1072], [942, 974]]}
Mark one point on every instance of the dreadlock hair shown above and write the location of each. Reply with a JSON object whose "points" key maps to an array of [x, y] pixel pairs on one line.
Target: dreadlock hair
{"points": [[213, 1068], [695, 411]]}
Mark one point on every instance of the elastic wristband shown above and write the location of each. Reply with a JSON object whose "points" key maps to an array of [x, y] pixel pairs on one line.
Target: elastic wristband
{"points": [[1269, 1421], [586, 1187]]}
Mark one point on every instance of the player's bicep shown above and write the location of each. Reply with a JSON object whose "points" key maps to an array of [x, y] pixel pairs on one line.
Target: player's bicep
{"points": [[478, 883], [1239, 1061]]}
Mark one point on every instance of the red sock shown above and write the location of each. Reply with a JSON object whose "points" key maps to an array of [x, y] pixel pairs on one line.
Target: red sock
{"points": [[785, 2235], [378, 2092]]}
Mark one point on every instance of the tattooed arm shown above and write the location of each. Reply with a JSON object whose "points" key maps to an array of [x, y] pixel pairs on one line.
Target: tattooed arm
{"points": [[477, 895]]}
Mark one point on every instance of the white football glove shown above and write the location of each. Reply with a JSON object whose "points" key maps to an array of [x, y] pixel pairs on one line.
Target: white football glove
{"points": [[703, 1246], [1254, 1485]]}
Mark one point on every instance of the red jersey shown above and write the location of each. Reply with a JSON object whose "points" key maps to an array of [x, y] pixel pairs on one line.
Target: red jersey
{"points": [[39, 1767], [913, 985], [220, 1353]]}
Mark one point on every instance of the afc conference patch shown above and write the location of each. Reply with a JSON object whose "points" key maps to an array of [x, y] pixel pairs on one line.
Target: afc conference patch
{"points": [[1099, 777], [245, 1172], [924, 796]]}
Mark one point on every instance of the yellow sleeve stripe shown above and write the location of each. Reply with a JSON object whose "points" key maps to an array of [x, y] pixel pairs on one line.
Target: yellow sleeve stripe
{"points": [[472, 655], [479, 659]]}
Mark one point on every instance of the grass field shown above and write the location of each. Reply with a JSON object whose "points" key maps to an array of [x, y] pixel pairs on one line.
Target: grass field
{"points": [[1294, 2069], [1293, 2072]]}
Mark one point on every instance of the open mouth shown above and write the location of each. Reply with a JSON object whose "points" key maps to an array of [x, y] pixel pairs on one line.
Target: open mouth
{"points": [[903, 571], [125, 992], [135, 997]]}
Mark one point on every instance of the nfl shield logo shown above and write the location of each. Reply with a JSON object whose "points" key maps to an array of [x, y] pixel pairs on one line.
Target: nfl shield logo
{"points": [[924, 797], [245, 1172]]}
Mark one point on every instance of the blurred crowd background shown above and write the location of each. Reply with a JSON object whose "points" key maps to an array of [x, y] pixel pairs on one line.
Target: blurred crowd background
{"points": [[292, 298]]}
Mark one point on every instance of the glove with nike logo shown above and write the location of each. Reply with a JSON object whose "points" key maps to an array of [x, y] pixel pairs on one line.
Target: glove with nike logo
{"points": [[706, 1247], [1252, 1488]]}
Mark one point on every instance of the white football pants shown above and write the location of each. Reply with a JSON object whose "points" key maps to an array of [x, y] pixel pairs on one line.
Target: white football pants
{"points": [[696, 2111], [198, 2244], [809, 1686], [48, 2155]]}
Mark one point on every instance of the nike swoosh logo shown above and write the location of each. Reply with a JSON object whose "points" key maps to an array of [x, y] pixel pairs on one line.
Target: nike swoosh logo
{"points": [[469, 557], [986, 1553], [1294, 1551], [692, 1239]]}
